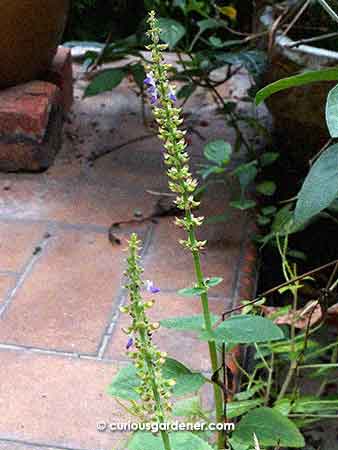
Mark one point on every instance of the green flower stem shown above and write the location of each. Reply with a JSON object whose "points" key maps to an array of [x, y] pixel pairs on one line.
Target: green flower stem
{"points": [[157, 398], [208, 327]]}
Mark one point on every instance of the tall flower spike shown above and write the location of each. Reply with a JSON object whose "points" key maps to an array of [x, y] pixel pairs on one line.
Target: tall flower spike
{"points": [[181, 182], [154, 390]]}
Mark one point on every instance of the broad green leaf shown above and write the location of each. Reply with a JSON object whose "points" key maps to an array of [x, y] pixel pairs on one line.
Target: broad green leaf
{"points": [[191, 292], [246, 173], [105, 81], [310, 405], [187, 381], [245, 329], [178, 441], [249, 393], [253, 60], [243, 204], [212, 282], [332, 112], [139, 74], [208, 24], [283, 406], [320, 187], [268, 158], [266, 187], [238, 408], [270, 427], [218, 152], [268, 210], [124, 384], [221, 218], [186, 91], [126, 381], [187, 323], [297, 80], [187, 407], [171, 31]]}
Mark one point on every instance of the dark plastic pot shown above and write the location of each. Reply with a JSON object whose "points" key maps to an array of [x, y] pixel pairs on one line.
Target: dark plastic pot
{"points": [[30, 31], [299, 113]]}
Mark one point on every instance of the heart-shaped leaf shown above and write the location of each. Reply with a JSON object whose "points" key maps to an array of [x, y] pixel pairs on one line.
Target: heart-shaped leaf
{"points": [[271, 428], [320, 187]]}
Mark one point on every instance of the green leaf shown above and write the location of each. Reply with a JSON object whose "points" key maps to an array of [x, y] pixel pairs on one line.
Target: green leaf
{"points": [[126, 381], [139, 74], [283, 406], [332, 112], [310, 405], [212, 282], [268, 210], [186, 90], [187, 381], [253, 60], [171, 31], [245, 329], [178, 441], [218, 152], [124, 384], [187, 323], [268, 158], [320, 187], [105, 81], [246, 173], [221, 218], [191, 292], [266, 188], [238, 408], [249, 393], [243, 204], [270, 427], [297, 80], [208, 24], [187, 407]]}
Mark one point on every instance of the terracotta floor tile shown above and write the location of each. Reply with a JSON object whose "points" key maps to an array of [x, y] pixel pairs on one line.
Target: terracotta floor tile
{"points": [[17, 244], [66, 302], [171, 266], [180, 345], [55, 401], [6, 283]]}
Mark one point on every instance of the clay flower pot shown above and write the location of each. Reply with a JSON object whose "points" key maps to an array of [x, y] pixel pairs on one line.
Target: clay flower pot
{"points": [[30, 31]]}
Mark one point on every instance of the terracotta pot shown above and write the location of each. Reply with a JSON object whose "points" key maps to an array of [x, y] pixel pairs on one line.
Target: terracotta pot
{"points": [[30, 31]]}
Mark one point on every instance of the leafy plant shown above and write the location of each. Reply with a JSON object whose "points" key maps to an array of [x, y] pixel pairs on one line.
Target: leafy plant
{"points": [[269, 410]]}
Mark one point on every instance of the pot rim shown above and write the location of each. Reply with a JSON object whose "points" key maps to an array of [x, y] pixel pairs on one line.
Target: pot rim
{"points": [[301, 54]]}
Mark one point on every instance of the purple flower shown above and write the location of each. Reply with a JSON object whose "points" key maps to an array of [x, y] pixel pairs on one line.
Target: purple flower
{"points": [[151, 288], [152, 89], [172, 95], [130, 343]]}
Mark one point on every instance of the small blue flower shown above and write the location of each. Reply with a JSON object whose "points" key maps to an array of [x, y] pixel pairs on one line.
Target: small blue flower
{"points": [[130, 343], [172, 95], [151, 288], [152, 89]]}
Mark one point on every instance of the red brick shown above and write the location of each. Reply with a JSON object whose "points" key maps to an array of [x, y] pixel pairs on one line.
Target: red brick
{"points": [[61, 74], [25, 110], [31, 121]]}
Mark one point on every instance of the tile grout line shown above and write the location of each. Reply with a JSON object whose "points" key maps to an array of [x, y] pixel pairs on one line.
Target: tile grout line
{"points": [[21, 278], [40, 445], [106, 337]]}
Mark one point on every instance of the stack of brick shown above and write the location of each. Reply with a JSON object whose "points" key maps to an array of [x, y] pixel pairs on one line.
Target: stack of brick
{"points": [[32, 115]]}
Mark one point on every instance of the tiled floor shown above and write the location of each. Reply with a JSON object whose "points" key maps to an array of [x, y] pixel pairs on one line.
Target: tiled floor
{"points": [[61, 279]]}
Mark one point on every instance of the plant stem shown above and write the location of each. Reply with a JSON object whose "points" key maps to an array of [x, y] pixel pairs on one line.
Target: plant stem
{"points": [[211, 344], [288, 379], [157, 397]]}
